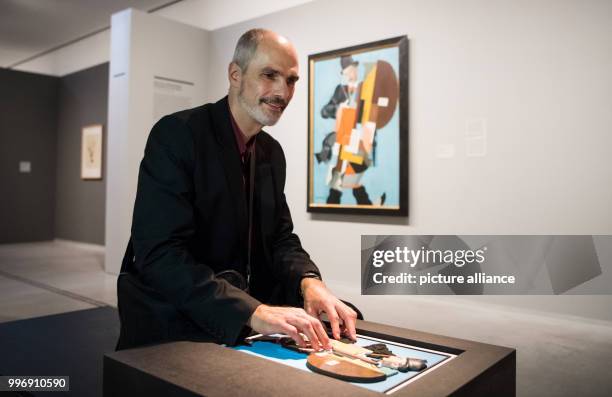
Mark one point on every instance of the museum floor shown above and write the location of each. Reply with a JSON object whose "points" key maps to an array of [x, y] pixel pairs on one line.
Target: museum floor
{"points": [[38, 279], [557, 355]]}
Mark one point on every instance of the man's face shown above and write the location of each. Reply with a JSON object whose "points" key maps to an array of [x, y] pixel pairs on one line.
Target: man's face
{"points": [[349, 75], [269, 82]]}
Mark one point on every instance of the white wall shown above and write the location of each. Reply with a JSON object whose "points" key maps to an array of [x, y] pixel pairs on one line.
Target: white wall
{"points": [[536, 71], [142, 46]]}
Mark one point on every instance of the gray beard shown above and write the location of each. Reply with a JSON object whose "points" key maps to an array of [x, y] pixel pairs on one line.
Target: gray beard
{"points": [[256, 112]]}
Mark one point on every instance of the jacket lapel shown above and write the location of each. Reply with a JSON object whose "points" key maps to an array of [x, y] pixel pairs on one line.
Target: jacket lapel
{"points": [[230, 158], [264, 193], [264, 187]]}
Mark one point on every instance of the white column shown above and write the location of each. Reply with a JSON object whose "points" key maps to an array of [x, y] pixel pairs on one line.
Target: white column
{"points": [[157, 66]]}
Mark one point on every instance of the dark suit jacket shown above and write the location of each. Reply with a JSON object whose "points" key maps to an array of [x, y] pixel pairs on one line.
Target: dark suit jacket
{"points": [[339, 96], [191, 221]]}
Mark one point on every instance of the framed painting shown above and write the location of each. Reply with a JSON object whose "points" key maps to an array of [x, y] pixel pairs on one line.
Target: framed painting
{"points": [[91, 152], [358, 129]]}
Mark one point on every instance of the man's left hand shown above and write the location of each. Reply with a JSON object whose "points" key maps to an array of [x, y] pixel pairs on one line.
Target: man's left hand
{"points": [[318, 299]]}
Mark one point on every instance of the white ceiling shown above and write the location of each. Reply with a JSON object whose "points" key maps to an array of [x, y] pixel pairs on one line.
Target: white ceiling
{"points": [[29, 27]]}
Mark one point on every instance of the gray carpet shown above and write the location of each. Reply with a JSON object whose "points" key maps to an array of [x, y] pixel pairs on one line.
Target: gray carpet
{"points": [[70, 344]]}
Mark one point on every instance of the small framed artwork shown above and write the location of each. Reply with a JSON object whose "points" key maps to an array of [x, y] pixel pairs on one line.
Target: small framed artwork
{"points": [[91, 152], [358, 129]]}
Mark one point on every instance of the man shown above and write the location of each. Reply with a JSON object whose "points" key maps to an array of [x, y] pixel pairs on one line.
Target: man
{"points": [[346, 95], [212, 253]]}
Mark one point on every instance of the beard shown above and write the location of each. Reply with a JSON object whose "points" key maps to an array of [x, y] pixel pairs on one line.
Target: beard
{"points": [[257, 111]]}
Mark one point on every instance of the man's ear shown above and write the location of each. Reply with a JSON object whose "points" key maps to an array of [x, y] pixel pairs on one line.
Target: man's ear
{"points": [[234, 74]]}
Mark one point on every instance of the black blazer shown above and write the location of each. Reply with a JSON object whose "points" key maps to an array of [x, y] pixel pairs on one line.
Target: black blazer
{"points": [[190, 222]]}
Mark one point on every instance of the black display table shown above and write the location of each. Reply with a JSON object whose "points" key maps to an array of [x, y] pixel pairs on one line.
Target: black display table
{"points": [[207, 369]]}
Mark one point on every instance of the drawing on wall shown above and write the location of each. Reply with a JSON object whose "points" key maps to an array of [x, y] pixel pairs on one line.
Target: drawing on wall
{"points": [[91, 152], [358, 129]]}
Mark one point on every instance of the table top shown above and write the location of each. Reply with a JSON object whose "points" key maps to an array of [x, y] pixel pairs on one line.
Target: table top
{"points": [[279, 354], [211, 369]]}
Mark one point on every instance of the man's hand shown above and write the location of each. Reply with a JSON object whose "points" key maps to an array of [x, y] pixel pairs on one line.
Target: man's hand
{"points": [[318, 299], [291, 321]]}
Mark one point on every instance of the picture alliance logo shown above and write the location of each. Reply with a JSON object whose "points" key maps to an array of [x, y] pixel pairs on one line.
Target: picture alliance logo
{"points": [[412, 257]]}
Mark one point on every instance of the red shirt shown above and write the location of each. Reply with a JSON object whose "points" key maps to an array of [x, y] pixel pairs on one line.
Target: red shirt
{"points": [[243, 147]]}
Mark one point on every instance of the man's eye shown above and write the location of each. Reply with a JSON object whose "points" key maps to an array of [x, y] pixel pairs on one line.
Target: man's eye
{"points": [[270, 75]]}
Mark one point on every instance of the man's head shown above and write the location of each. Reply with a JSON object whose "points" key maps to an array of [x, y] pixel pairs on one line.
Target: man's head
{"points": [[349, 70], [262, 75]]}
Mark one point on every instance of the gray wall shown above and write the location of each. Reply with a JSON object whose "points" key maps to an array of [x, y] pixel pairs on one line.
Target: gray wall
{"points": [[28, 113], [40, 121], [80, 204], [537, 71]]}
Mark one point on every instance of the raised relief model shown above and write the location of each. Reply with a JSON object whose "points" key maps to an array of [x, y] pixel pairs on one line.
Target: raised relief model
{"points": [[350, 362]]}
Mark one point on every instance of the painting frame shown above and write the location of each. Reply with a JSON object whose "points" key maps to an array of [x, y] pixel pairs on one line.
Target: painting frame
{"points": [[401, 190], [92, 152]]}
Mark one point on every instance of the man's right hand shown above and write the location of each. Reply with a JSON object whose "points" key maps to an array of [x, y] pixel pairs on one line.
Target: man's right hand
{"points": [[291, 321]]}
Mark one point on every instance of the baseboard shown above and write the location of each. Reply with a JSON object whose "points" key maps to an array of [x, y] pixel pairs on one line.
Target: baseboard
{"points": [[79, 244]]}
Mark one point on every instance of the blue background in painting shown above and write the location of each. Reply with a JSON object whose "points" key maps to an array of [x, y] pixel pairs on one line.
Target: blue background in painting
{"points": [[384, 176], [274, 352]]}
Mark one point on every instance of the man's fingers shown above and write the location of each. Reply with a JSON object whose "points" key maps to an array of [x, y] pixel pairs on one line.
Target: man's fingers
{"points": [[322, 334], [311, 310], [294, 334], [334, 320], [302, 322], [318, 326], [349, 317], [311, 334], [294, 322]]}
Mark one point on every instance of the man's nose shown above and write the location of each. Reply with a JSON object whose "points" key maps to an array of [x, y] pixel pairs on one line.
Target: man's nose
{"points": [[283, 90]]}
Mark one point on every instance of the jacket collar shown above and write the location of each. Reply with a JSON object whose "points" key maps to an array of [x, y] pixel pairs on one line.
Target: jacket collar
{"points": [[222, 123]]}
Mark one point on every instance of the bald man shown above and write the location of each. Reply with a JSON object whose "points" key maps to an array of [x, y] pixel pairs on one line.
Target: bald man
{"points": [[212, 255]]}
